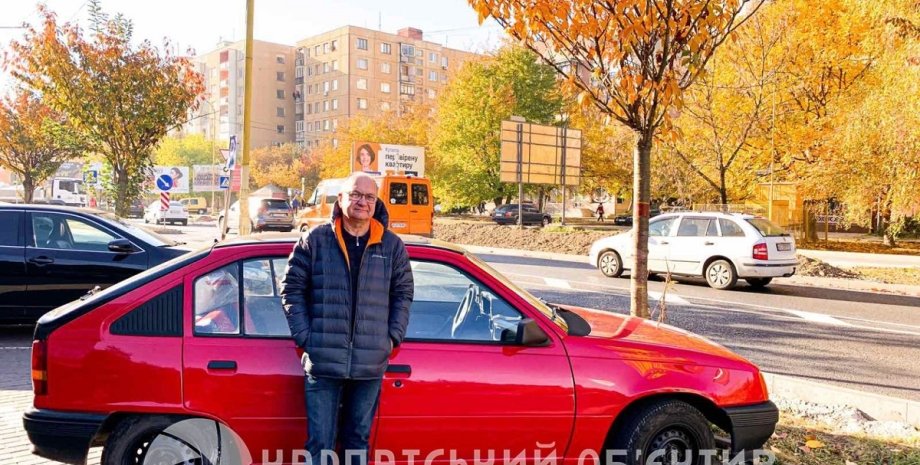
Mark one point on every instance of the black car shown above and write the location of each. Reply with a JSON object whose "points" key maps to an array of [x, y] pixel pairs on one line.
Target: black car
{"points": [[53, 255], [626, 219], [508, 214]]}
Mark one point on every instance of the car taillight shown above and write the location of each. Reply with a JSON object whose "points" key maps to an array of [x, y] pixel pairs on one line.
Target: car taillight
{"points": [[39, 368], [760, 252], [507, 214]]}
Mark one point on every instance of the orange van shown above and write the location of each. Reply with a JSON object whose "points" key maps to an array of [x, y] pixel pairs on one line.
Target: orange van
{"points": [[408, 200]]}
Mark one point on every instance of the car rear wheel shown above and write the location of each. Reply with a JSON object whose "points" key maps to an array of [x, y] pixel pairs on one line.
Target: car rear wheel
{"points": [[184, 222], [758, 283], [169, 440], [720, 274], [610, 264], [673, 427]]}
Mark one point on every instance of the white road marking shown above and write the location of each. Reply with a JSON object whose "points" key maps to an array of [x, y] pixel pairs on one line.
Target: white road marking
{"points": [[818, 318], [15, 348], [671, 298], [560, 283]]}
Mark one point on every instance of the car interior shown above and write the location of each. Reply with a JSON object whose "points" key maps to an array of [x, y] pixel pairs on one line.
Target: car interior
{"points": [[56, 232]]}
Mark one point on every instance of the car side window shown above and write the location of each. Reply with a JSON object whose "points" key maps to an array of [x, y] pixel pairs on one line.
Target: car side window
{"points": [[217, 301], [217, 298], [713, 229], [10, 229], [661, 227], [63, 232], [693, 227], [450, 306], [419, 194], [399, 193], [730, 228]]}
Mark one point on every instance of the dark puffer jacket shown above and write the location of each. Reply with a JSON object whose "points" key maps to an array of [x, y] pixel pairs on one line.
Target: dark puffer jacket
{"points": [[316, 294]]}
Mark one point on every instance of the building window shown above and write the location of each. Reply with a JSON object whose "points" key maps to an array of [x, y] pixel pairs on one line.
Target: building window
{"points": [[385, 106], [298, 72], [362, 104], [279, 59], [298, 126], [335, 124], [385, 48], [335, 104], [407, 50], [316, 51], [361, 44], [326, 87], [325, 105], [361, 84], [443, 77], [432, 57], [280, 94], [325, 47], [407, 89], [317, 68], [309, 109], [419, 53], [326, 126], [419, 72], [280, 129], [279, 111], [335, 45], [385, 87], [335, 143], [444, 62], [326, 67], [335, 65], [279, 76], [385, 68], [431, 93], [433, 76], [316, 107], [335, 84], [362, 63], [306, 52], [309, 70]]}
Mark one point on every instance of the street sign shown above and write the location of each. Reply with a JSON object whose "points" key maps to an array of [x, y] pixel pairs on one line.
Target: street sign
{"points": [[90, 177], [231, 154], [224, 182], [164, 182], [164, 201]]}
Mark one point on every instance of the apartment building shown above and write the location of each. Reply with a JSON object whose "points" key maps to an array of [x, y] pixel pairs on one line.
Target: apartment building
{"points": [[352, 71], [221, 114]]}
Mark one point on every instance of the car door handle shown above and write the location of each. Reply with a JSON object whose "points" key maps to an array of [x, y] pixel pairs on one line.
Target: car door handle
{"points": [[222, 365], [664, 242], [400, 369], [709, 243], [41, 260]]}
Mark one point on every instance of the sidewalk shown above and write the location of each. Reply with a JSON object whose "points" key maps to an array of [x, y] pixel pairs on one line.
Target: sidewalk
{"points": [[811, 281], [854, 259]]}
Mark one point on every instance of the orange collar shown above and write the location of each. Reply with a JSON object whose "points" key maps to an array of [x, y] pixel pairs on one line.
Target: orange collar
{"points": [[376, 229]]}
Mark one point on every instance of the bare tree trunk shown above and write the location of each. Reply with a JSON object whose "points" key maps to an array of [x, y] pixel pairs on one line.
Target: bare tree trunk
{"points": [[122, 201], [28, 188], [498, 201], [887, 233], [723, 192], [638, 283]]}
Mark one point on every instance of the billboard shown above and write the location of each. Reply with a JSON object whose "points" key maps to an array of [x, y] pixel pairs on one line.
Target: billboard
{"points": [[205, 177], [179, 176], [542, 159], [375, 158]]}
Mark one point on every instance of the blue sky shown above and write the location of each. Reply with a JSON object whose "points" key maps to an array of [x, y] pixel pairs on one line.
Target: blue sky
{"points": [[200, 24]]}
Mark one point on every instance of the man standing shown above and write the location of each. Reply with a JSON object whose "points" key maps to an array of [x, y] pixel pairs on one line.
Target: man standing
{"points": [[346, 294]]}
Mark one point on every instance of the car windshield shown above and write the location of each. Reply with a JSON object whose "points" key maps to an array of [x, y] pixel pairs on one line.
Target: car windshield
{"points": [[145, 235], [275, 204], [767, 228], [537, 303]]}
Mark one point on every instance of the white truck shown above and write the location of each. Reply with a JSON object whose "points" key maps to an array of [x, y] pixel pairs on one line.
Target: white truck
{"points": [[61, 191]]}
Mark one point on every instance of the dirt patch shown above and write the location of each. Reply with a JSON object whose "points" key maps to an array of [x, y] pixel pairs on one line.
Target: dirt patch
{"points": [[550, 239], [863, 246], [812, 267]]}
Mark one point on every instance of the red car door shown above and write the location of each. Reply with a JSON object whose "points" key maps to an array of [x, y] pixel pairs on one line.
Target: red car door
{"points": [[452, 388], [240, 364]]}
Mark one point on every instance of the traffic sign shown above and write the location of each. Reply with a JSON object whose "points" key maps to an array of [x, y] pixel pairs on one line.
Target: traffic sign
{"points": [[164, 182], [91, 177], [224, 182]]}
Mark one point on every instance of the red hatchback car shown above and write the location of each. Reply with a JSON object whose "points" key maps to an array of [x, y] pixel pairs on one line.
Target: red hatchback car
{"points": [[485, 366]]}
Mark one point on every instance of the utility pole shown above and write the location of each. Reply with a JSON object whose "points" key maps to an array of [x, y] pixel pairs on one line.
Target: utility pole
{"points": [[245, 226]]}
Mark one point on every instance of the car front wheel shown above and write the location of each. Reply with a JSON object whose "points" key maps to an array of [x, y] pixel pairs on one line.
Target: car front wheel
{"points": [[720, 274], [758, 283], [610, 264], [674, 431]]}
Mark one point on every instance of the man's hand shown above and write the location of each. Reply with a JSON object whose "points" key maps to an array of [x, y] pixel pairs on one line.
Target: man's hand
{"points": [[307, 364]]}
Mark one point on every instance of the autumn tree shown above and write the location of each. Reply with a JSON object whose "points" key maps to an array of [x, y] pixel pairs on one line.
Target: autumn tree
{"points": [[188, 150], [633, 59], [34, 140], [466, 141], [121, 97], [286, 166]]}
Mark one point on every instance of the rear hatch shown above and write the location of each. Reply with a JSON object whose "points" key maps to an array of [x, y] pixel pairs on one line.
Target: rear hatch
{"points": [[277, 209], [780, 244], [176, 209]]}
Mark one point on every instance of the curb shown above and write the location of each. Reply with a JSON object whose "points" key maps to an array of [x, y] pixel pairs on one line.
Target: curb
{"points": [[877, 406]]}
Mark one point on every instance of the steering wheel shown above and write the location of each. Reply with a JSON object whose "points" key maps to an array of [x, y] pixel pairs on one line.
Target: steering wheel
{"points": [[463, 311]]}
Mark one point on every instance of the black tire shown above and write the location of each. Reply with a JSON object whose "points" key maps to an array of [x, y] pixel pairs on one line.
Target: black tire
{"points": [[184, 222], [671, 425], [610, 264], [202, 211], [126, 444], [721, 274], [545, 221], [758, 283]]}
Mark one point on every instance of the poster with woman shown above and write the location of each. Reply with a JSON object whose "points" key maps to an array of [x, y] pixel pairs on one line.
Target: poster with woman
{"points": [[366, 157]]}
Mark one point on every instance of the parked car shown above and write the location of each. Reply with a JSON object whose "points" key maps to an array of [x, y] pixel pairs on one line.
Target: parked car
{"points": [[198, 205], [136, 210], [508, 214], [175, 214], [264, 214], [721, 247], [52, 255], [626, 219], [480, 354]]}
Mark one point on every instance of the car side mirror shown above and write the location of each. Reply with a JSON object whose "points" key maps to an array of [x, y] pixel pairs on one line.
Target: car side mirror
{"points": [[528, 334], [121, 246]]}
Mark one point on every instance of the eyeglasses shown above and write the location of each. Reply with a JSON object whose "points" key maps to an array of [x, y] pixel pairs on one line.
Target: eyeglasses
{"points": [[354, 196]]}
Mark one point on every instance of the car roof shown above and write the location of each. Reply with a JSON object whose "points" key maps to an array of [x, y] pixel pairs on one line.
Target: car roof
{"points": [[705, 213], [291, 238], [52, 208]]}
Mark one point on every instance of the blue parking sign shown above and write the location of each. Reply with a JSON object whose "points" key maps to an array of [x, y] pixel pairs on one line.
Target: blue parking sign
{"points": [[224, 182]]}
